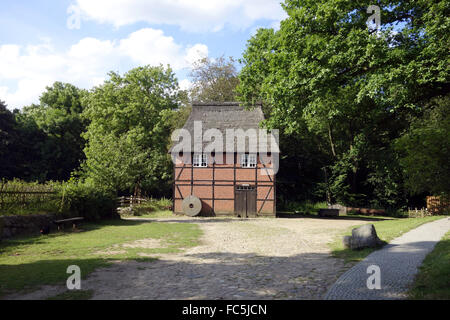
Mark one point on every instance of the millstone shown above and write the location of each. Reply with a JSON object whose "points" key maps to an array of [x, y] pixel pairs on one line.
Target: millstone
{"points": [[192, 206]]}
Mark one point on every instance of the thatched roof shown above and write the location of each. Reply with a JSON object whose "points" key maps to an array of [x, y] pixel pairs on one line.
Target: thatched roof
{"points": [[223, 116]]}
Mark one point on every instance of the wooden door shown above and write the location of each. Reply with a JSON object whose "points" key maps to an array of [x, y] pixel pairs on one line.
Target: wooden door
{"points": [[241, 203], [251, 203], [245, 201]]}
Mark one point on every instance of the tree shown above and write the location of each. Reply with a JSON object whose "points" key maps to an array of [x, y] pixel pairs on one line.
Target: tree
{"points": [[57, 122], [425, 150], [8, 138], [214, 80], [355, 88], [130, 124]]}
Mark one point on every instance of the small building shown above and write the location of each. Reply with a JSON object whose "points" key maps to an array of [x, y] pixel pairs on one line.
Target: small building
{"points": [[240, 182]]}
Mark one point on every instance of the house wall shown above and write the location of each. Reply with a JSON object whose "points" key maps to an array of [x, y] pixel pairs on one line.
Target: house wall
{"points": [[216, 185]]}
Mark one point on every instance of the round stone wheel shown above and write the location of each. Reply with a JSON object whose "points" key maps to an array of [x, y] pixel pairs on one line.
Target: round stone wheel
{"points": [[192, 206]]}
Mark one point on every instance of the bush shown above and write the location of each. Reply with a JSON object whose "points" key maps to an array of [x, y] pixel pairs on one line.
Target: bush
{"points": [[72, 198], [88, 201], [23, 198], [147, 207], [305, 207]]}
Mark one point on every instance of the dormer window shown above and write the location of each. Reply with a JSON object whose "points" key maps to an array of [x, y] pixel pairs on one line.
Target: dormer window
{"points": [[200, 160], [248, 161]]}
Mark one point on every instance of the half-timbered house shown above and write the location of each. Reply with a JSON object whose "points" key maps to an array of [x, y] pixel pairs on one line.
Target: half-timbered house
{"points": [[240, 182]]}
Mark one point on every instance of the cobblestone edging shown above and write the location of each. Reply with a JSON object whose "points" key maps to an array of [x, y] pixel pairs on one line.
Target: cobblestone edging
{"points": [[398, 261]]}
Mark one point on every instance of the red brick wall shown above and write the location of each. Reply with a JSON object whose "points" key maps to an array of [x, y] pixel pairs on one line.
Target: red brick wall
{"points": [[215, 186]]}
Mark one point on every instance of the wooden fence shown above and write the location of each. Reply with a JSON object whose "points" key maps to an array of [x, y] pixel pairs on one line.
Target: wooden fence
{"points": [[130, 201], [24, 198], [418, 213]]}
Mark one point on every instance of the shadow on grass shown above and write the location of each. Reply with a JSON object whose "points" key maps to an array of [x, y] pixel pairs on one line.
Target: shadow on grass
{"points": [[356, 255], [287, 215], [37, 238], [26, 277]]}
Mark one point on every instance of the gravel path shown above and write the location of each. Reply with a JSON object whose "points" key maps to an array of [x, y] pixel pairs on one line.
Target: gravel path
{"points": [[398, 261], [237, 259]]}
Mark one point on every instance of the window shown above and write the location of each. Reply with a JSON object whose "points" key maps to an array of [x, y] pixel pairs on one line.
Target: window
{"points": [[200, 160], [248, 161]]}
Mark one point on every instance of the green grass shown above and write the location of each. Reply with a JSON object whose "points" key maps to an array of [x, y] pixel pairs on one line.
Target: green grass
{"points": [[387, 230], [74, 295], [28, 262], [433, 280]]}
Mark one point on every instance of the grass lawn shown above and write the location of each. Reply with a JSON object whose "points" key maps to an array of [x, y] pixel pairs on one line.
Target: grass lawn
{"points": [[28, 262], [387, 230], [433, 279]]}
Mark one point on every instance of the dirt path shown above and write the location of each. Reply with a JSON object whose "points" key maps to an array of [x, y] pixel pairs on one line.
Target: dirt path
{"points": [[237, 259]]}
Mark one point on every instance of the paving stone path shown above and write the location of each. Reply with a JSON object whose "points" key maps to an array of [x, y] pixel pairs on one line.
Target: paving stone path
{"points": [[398, 261]]}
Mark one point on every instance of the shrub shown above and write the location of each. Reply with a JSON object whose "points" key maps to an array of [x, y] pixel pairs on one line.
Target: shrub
{"points": [[23, 198], [305, 207], [72, 198], [148, 207], [88, 201]]}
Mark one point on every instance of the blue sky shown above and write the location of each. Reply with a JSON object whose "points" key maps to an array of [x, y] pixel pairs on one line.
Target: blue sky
{"points": [[79, 41]]}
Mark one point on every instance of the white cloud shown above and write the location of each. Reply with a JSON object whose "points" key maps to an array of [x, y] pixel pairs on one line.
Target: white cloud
{"points": [[190, 15], [27, 70], [195, 53], [185, 84]]}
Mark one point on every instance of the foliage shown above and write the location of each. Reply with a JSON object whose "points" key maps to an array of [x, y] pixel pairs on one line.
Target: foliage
{"points": [[72, 198], [153, 207], [305, 208], [44, 140], [8, 139], [425, 150], [130, 122], [214, 80], [83, 199], [354, 89], [23, 198]]}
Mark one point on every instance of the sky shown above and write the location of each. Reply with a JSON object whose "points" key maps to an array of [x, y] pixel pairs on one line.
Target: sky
{"points": [[80, 41]]}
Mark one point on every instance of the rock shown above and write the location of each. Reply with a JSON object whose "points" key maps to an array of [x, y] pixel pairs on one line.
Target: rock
{"points": [[342, 209], [347, 241], [362, 237]]}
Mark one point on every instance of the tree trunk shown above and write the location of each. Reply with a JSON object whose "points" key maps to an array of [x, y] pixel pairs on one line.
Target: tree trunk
{"points": [[330, 136]]}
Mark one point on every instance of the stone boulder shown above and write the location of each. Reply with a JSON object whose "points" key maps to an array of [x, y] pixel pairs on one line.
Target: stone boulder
{"points": [[363, 237]]}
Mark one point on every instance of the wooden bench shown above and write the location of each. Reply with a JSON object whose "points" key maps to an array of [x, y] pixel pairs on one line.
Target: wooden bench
{"points": [[74, 221]]}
